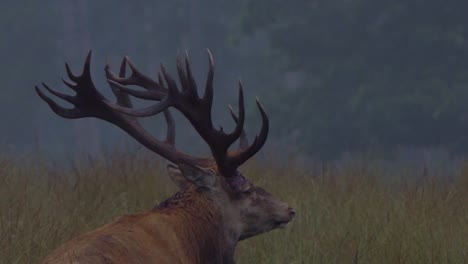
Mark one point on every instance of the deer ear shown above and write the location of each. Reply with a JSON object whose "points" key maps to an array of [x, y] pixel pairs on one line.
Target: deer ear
{"points": [[201, 177], [176, 176]]}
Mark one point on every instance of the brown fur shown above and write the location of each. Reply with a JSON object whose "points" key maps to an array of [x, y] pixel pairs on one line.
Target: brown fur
{"points": [[200, 224], [184, 229]]}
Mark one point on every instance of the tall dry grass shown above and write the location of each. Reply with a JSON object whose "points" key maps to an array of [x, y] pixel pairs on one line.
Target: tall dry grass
{"points": [[345, 214]]}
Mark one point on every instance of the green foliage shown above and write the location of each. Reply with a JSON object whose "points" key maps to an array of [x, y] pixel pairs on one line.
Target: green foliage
{"points": [[353, 213]]}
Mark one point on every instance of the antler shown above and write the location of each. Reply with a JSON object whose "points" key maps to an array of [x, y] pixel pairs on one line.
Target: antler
{"points": [[89, 102], [197, 110]]}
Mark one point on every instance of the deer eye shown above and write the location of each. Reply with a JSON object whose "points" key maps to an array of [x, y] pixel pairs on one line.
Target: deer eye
{"points": [[249, 190]]}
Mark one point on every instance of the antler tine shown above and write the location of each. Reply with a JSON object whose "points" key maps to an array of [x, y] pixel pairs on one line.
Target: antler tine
{"points": [[239, 158], [240, 124], [171, 94], [70, 73], [69, 84], [137, 78], [153, 90], [172, 86], [243, 141], [208, 96], [192, 87], [72, 113], [142, 94], [184, 82], [160, 78], [170, 136], [123, 99], [59, 110], [123, 68], [87, 66], [60, 95], [165, 102]]}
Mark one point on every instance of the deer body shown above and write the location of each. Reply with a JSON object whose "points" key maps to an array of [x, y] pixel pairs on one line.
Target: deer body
{"points": [[165, 235], [216, 206]]}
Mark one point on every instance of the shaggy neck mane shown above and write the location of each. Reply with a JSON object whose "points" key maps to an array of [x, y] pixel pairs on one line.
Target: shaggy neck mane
{"points": [[200, 226]]}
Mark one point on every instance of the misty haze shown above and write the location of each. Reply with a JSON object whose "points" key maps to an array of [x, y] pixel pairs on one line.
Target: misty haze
{"points": [[367, 104]]}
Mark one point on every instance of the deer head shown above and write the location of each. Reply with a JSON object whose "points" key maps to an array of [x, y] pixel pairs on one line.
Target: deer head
{"points": [[208, 185]]}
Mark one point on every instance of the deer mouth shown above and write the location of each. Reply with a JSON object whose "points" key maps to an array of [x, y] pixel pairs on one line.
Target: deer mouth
{"points": [[281, 223]]}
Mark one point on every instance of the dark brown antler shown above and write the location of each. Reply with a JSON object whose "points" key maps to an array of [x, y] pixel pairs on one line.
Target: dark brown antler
{"points": [[243, 141], [197, 110], [89, 102]]}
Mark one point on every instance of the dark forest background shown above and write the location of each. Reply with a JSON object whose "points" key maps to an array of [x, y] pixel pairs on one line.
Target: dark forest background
{"points": [[336, 76]]}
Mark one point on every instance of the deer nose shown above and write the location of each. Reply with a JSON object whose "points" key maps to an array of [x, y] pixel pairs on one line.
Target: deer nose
{"points": [[292, 212]]}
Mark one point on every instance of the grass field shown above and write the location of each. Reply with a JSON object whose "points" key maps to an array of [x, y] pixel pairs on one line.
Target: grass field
{"points": [[346, 214]]}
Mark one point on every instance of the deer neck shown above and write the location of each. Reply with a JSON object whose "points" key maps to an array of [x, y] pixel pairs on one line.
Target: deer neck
{"points": [[203, 227]]}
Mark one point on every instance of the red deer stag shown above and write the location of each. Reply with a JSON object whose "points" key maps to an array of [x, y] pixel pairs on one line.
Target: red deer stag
{"points": [[216, 206]]}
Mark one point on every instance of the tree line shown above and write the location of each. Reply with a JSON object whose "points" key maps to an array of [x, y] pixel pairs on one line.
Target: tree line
{"points": [[334, 75]]}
